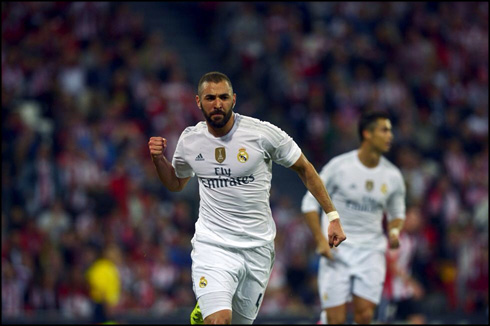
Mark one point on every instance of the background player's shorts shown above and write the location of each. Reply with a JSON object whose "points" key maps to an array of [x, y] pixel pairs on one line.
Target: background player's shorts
{"points": [[242, 273], [353, 271]]}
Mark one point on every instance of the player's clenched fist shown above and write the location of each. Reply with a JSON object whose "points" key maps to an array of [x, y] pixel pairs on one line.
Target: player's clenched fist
{"points": [[157, 146]]}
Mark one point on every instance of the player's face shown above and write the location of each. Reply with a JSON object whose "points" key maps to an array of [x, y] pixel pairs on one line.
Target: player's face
{"points": [[381, 136], [216, 103]]}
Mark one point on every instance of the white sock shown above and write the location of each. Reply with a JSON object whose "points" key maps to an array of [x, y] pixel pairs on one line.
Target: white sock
{"points": [[323, 317]]}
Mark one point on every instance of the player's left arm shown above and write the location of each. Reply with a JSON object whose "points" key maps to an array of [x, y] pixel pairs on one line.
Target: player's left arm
{"points": [[394, 228], [308, 174], [396, 212]]}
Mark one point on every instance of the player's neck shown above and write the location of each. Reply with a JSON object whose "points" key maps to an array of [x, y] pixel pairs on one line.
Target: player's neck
{"points": [[223, 131], [368, 156]]}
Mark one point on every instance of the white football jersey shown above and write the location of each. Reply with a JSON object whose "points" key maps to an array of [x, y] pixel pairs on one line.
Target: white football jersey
{"points": [[361, 195], [234, 173]]}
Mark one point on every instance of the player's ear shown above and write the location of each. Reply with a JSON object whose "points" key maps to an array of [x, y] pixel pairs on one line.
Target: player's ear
{"points": [[366, 133], [198, 102]]}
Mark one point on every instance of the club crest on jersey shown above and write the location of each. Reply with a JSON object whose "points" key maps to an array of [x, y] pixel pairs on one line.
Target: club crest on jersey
{"points": [[242, 155], [369, 185], [203, 282], [220, 154], [384, 188]]}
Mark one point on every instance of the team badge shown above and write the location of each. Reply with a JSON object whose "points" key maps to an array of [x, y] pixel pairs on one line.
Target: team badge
{"points": [[220, 154], [203, 282], [384, 188], [242, 155], [369, 185]]}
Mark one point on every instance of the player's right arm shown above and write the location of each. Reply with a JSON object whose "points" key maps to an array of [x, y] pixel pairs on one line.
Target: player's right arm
{"points": [[312, 220], [165, 170], [316, 189]]}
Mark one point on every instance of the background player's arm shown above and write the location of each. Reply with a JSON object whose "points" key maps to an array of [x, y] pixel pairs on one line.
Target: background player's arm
{"points": [[394, 228], [165, 170], [323, 248], [314, 184]]}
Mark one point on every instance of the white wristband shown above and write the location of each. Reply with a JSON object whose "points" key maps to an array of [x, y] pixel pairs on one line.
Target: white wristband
{"points": [[395, 231], [333, 216]]}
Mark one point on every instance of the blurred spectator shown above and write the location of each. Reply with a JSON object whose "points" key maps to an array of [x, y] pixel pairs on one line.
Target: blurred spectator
{"points": [[105, 284], [403, 293], [12, 291], [40, 180], [54, 221], [74, 295], [42, 294]]}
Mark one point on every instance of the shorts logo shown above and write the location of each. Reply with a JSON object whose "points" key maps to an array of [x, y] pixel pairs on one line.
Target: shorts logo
{"points": [[369, 185], [242, 155], [384, 188], [203, 282], [325, 296], [220, 154]]}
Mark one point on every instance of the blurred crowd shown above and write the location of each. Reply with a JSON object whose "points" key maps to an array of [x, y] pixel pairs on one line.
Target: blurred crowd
{"points": [[85, 84]]}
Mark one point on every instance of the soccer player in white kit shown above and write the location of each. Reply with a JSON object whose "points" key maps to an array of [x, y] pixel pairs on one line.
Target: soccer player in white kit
{"points": [[233, 246], [363, 186]]}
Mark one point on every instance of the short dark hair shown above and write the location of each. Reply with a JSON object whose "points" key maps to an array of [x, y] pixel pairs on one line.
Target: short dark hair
{"points": [[368, 119], [214, 77]]}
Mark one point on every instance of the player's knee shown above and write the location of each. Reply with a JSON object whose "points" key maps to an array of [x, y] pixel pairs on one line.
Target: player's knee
{"points": [[336, 315], [334, 319], [217, 321], [364, 317], [241, 320], [219, 318]]}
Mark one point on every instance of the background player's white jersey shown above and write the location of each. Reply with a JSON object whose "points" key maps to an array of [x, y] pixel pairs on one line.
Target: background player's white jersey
{"points": [[235, 176], [361, 195]]}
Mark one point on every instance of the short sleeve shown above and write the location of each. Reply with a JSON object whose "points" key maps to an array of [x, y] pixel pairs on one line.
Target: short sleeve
{"points": [[279, 145], [179, 162]]}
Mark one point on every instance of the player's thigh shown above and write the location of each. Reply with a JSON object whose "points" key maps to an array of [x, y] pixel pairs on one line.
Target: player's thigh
{"points": [[250, 292], [369, 276], [216, 307], [215, 270], [361, 305], [336, 315], [333, 283]]}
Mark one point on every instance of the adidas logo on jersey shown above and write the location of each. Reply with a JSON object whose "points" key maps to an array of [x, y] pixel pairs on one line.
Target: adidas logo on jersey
{"points": [[199, 157]]}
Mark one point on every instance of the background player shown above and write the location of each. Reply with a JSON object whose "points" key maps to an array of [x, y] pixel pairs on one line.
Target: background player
{"points": [[363, 185]]}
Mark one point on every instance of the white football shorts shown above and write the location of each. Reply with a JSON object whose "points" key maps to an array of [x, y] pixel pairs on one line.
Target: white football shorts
{"points": [[237, 276], [353, 271]]}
